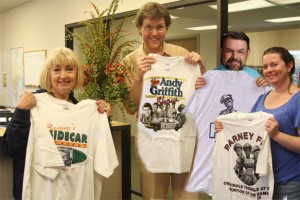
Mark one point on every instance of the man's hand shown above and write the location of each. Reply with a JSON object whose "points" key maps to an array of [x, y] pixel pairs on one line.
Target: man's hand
{"points": [[200, 83], [195, 58], [218, 126], [144, 64]]}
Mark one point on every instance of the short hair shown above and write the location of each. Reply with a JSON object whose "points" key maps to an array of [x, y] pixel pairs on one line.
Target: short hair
{"points": [[147, 105], [225, 97], [255, 148], [247, 146], [60, 55], [235, 35], [181, 107], [237, 145], [285, 55], [152, 10]]}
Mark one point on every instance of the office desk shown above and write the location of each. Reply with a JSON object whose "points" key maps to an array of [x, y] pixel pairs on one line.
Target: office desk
{"points": [[5, 116], [122, 174], [122, 130], [2, 130], [6, 171]]}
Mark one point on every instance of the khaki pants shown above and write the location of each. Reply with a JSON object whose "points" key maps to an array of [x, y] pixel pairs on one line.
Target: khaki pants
{"points": [[156, 185]]}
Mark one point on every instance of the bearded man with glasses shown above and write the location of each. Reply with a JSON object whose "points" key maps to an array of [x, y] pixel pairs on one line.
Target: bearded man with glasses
{"points": [[235, 49]]}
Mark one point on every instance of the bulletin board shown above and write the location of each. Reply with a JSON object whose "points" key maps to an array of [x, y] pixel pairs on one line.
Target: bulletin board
{"points": [[33, 64]]}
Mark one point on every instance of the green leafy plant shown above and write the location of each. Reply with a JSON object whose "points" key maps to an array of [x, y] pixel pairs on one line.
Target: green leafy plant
{"points": [[102, 44]]}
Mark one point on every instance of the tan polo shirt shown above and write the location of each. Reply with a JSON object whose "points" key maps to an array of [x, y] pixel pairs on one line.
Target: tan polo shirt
{"points": [[131, 64]]}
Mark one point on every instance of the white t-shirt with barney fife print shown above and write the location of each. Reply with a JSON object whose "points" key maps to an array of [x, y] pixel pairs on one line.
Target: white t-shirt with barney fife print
{"points": [[242, 159]]}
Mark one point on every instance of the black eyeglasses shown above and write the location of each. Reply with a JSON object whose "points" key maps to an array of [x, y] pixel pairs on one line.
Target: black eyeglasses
{"points": [[149, 28], [240, 52]]}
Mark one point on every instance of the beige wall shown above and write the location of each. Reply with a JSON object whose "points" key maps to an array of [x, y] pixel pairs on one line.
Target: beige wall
{"points": [[40, 24], [36, 25], [260, 41]]}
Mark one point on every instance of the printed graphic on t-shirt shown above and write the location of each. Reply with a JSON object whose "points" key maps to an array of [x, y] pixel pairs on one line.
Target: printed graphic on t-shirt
{"points": [[242, 149], [67, 140], [242, 159], [245, 166], [165, 113], [228, 101], [66, 154]]}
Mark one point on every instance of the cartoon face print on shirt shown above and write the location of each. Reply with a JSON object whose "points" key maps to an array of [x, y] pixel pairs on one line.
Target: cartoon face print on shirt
{"points": [[227, 100]]}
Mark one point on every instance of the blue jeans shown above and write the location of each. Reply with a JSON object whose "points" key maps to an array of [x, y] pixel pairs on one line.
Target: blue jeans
{"points": [[287, 191]]}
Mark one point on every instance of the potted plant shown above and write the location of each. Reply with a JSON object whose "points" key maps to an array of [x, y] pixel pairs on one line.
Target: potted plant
{"points": [[102, 44]]}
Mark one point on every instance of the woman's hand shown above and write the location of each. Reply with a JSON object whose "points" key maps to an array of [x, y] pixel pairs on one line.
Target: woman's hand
{"points": [[218, 126], [103, 107], [272, 127], [261, 82], [284, 139], [27, 101]]}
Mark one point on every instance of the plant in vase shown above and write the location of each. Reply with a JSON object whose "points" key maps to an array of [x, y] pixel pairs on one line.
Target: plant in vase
{"points": [[102, 45]]}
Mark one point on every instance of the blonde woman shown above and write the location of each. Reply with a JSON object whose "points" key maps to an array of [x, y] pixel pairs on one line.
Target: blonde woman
{"points": [[61, 74]]}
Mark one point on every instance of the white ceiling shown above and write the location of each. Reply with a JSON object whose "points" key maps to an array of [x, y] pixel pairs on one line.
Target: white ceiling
{"points": [[6, 5], [247, 21]]}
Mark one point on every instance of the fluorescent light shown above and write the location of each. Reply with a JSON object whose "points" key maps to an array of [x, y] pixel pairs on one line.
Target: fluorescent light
{"points": [[254, 4], [246, 5], [201, 28], [284, 2], [287, 19]]}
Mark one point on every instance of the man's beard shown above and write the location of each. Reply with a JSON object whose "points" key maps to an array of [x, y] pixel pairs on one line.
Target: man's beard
{"points": [[236, 67]]}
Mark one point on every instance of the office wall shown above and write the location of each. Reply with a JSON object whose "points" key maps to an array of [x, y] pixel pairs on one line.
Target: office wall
{"points": [[76, 8], [260, 41], [40, 24], [35, 25]]}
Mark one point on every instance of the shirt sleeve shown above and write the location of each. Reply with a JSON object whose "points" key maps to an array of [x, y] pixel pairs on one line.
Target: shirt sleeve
{"points": [[105, 157], [263, 160], [296, 111], [16, 134]]}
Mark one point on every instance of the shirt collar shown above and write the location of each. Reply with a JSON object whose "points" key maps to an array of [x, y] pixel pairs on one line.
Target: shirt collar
{"points": [[164, 51]]}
